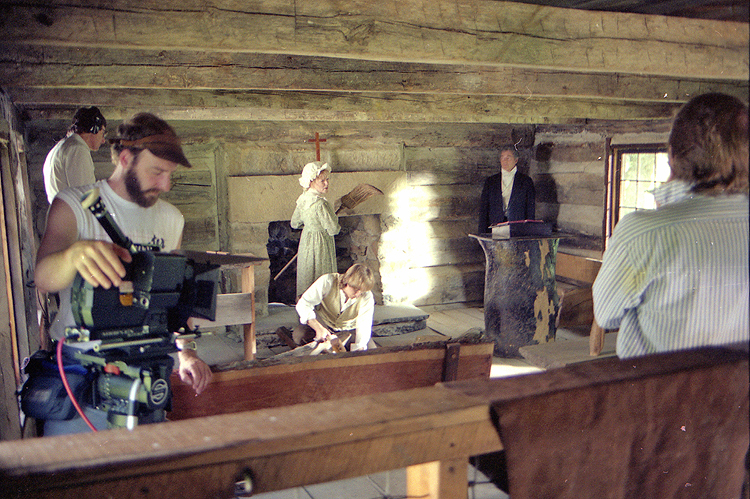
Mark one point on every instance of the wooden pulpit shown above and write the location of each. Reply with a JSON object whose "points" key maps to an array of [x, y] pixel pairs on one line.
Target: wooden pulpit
{"points": [[520, 293]]}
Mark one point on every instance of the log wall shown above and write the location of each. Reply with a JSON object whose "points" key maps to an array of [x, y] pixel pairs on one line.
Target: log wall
{"points": [[424, 255]]}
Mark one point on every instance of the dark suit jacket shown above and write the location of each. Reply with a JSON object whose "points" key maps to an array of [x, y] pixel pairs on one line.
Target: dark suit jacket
{"points": [[521, 205]]}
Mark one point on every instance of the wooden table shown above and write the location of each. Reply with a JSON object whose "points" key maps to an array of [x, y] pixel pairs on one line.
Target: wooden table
{"points": [[233, 308]]}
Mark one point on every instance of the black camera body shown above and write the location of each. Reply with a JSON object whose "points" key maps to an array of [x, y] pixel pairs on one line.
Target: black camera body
{"points": [[125, 334], [160, 291]]}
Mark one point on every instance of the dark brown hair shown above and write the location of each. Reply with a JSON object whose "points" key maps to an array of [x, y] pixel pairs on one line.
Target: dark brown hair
{"points": [[709, 144], [148, 131], [88, 120]]}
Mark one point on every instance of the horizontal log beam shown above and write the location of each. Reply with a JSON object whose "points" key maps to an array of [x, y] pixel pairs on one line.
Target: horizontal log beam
{"points": [[174, 105], [483, 32], [29, 70], [292, 136]]}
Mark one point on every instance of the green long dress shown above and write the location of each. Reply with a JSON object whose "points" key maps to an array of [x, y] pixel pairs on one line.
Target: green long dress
{"points": [[317, 250]]}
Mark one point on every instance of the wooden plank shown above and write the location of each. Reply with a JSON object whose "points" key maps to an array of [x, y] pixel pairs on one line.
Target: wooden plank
{"points": [[576, 308], [448, 284], [272, 186], [306, 106], [686, 432], [10, 427], [29, 71], [272, 383], [338, 439], [484, 32], [577, 268], [247, 285], [231, 308], [450, 324], [561, 353], [437, 479], [596, 339], [450, 362], [205, 456], [472, 315]]}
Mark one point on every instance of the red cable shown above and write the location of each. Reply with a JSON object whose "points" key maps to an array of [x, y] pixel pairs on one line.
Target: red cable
{"points": [[67, 386]]}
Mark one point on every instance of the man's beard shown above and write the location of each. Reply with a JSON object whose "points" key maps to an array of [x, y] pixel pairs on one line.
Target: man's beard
{"points": [[145, 199]]}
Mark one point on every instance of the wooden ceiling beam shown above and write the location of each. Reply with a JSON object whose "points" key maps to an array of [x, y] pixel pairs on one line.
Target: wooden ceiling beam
{"points": [[28, 70], [483, 32], [342, 106]]}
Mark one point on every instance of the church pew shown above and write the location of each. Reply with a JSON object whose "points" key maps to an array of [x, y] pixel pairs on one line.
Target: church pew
{"points": [[669, 425], [247, 386]]}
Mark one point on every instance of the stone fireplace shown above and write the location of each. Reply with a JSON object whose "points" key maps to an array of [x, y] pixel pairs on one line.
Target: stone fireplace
{"points": [[357, 242], [263, 228]]}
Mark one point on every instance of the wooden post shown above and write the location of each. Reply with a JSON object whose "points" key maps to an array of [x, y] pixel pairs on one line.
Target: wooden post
{"points": [[248, 286], [596, 339], [231, 308], [445, 479]]}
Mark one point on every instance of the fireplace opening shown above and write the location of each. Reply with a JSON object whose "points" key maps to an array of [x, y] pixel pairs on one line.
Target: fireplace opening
{"points": [[282, 245], [357, 242]]}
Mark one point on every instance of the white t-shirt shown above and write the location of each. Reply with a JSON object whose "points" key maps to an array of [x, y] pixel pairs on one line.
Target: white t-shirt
{"points": [[160, 225], [68, 164]]}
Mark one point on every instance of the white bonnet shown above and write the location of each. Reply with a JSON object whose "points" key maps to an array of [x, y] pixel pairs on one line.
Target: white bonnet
{"points": [[311, 171]]}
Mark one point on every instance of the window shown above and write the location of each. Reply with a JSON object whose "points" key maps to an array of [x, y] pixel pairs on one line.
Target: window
{"points": [[632, 172]]}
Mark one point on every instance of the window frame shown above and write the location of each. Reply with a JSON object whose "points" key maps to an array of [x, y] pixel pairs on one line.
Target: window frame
{"points": [[613, 179]]}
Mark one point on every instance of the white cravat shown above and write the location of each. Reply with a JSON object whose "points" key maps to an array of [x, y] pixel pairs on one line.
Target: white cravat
{"points": [[507, 182]]}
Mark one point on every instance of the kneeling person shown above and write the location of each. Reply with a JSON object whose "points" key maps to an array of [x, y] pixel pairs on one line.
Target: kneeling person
{"points": [[337, 303]]}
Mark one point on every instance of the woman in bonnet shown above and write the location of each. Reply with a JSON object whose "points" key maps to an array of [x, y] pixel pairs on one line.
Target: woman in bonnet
{"points": [[317, 250]]}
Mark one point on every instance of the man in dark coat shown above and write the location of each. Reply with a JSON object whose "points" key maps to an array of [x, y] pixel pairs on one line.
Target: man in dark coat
{"points": [[508, 195]]}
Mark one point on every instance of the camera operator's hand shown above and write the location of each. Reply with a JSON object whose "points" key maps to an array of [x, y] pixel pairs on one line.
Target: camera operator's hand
{"points": [[61, 255], [194, 371], [99, 262]]}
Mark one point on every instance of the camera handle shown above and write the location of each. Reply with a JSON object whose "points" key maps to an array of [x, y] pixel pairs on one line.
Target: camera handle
{"points": [[92, 201]]}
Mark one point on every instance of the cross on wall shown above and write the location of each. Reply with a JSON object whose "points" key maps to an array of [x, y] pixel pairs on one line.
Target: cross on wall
{"points": [[317, 141]]}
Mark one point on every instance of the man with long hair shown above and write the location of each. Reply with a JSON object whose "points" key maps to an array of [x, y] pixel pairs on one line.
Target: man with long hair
{"points": [[676, 277]]}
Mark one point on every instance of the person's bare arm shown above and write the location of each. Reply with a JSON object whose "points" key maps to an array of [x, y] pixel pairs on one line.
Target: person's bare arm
{"points": [[321, 332], [194, 371], [61, 255]]}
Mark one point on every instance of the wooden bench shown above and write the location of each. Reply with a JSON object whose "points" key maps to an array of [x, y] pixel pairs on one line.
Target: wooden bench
{"points": [[671, 425], [248, 386], [575, 275]]}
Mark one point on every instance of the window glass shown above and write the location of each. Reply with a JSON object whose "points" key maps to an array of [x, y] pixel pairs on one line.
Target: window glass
{"points": [[633, 173]]}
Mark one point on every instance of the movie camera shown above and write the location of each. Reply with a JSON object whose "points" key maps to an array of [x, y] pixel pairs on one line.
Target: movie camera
{"points": [[124, 334]]}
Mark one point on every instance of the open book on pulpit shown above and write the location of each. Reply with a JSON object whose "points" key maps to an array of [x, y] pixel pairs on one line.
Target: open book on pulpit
{"points": [[521, 228]]}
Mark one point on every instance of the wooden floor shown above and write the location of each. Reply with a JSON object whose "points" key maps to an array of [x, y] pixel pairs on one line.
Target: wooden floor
{"points": [[455, 321], [570, 346], [443, 322]]}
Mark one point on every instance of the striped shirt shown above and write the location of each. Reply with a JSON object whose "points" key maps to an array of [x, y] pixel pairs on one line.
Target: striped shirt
{"points": [[677, 277]]}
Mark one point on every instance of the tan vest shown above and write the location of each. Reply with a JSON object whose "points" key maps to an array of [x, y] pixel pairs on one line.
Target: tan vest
{"points": [[328, 312]]}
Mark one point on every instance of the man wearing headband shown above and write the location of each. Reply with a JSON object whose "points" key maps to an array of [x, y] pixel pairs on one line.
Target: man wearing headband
{"points": [[145, 152], [69, 163]]}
